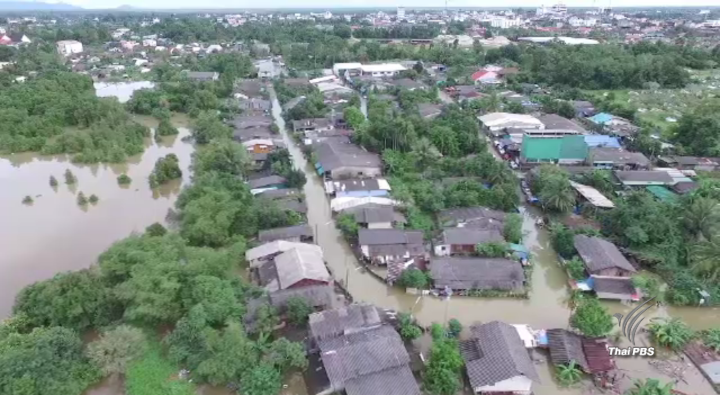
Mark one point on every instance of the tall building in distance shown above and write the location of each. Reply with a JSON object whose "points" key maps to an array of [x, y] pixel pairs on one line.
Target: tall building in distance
{"points": [[400, 13], [560, 8]]}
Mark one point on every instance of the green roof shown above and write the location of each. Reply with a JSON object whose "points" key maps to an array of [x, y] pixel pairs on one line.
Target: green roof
{"points": [[549, 148], [662, 193]]}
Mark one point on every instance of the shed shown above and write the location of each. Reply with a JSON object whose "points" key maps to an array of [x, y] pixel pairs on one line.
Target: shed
{"points": [[602, 257], [566, 346], [301, 267], [615, 288], [592, 195]]}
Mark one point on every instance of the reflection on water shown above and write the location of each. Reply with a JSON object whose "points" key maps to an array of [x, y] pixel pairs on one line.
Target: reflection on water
{"points": [[122, 90], [55, 234], [546, 308]]}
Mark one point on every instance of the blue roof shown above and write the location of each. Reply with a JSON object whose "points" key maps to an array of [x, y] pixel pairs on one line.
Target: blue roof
{"points": [[601, 118], [600, 140]]}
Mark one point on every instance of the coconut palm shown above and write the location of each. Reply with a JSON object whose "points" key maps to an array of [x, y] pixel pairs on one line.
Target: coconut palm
{"points": [[425, 152], [670, 332], [650, 387], [701, 217], [557, 194], [568, 374], [705, 258]]}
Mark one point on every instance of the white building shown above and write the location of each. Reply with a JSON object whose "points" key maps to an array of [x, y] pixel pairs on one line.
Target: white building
{"points": [[400, 13], [339, 69], [505, 23], [714, 23], [382, 70], [69, 47], [580, 22], [497, 121]]}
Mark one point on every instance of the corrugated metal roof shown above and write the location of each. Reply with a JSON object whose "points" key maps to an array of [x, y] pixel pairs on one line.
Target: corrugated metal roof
{"points": [[662, 193], [545, 148], [592, 195]]}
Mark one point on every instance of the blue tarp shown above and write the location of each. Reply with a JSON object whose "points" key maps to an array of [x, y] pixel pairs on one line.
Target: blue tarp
{"points": [[599, 140], [520, 251], [601, 118]]}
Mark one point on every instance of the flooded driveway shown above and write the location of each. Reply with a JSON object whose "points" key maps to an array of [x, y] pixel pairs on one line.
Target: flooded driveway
{"points": [[54, 234], [546, 307]]}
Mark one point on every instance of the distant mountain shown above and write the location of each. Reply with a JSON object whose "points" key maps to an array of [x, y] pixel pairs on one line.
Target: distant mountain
{"points": [[36, 6], [126, 7]]}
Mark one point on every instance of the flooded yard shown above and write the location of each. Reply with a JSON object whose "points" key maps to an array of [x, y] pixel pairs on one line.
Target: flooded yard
{"points": [[122, 90]]}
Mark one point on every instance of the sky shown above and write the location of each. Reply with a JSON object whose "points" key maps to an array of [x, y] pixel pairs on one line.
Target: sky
{"points": [[409, 4]]}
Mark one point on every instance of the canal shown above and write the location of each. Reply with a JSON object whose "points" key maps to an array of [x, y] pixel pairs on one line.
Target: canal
{"points": [[546, 307]]}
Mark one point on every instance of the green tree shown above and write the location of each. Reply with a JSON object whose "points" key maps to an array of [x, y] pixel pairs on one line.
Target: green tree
{"points": [[703, 256], [222, 156], [492, 249], [442, 376], [557, 194], [208, 127], [649, 286], [711, 338], [565, 109], [413, 278], [568, 374], [591, 318], [53, 181], [262, 379], [408, 329], [701, 217], [46, 358], [81, 199], [298, 310], [70, 178], [165, 128], [650, 387], [576, 269], [124, 179], [437, 332], [353, 117], [562, 240], [347, 225], [156, 230], [227, 355], [512, 229], [670, 332], [284, 354], [27, 200], [116, 349], [166, 169], [266, 318], [454, 328], [93, 199]]}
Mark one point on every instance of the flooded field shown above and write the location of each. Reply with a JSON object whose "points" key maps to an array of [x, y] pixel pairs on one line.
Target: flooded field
{"points": [[546, 307], [54, 234]]}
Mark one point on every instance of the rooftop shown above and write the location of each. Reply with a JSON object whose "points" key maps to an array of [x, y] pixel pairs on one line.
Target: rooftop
{"points": [[477, 273], [544, 148], [592, 195], [285, 233], [599, 254]]}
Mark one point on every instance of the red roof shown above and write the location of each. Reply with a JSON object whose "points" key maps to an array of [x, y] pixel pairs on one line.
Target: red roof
{"points": [[597, 355], [479, 74]]}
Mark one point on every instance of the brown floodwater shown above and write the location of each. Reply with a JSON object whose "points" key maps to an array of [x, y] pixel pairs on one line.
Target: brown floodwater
{"points": [[546, 308], [54, 234]]}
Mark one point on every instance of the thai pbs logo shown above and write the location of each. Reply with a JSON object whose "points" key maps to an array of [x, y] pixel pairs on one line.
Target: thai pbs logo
{"points": [[629, 326]]}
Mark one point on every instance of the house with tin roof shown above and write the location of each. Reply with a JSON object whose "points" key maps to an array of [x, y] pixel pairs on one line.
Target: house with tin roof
{"points": [[468, 274], [567, 150], [460, 241], [385, 246], [602, 258]]}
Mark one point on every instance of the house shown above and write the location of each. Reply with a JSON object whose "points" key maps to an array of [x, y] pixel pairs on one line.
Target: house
{"points": [[69, 47], [601, 140], [15, 39], [590, 355], [273, 181], [255, 105], [343, 321], [563, 150], [275, 194], [263, 253], [496, 360], [267, 68], [602, 257], [644, 178], [312, 125], [249, 88], [496, 122], [467, 274], [466, 216], [617, 158], [429, 110], [684, 187], [319, 297], [583, 108], [295, 268], [556, 122], [297, 205], [297, 233], [352, 69], [383, 246], [253, 121], [339, 160], [690, 162], [358, 187], [485, 77], [203, 76], [375, 216], [614, 125], [615, 288], [463, 240]]}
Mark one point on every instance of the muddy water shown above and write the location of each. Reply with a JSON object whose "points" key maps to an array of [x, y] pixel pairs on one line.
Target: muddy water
{"points": [[54, 234], [122, 90], [546, 308]]}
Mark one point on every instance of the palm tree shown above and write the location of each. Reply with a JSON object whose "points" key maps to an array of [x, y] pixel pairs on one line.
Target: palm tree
{"points": [[701, 217], [670, 332], [557, 194], [705, 258], [568, 374], [650, 387], [425, 152]]}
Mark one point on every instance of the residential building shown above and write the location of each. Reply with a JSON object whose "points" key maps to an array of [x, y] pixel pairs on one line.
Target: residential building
{"points": [[466, 216], [312, 125], [382, 70], [563, 150], [463, 240], [616, 158], [353, 69], [385, 246], [592, 195], [556, 122], [602, 258], [358, 187], [496, 360], [295, 268], [269, 182], [590, 355], [297, 233], [601, 140], [690, 162], [644, 178], [14, 39], [255, 105], [505, 23], [614, 288], [468, 274], [358, 354], [409, 84], [69, 47], [263, 253], [375, 216], [583, 108], [338, 160], [486, 77], [429, 110]]}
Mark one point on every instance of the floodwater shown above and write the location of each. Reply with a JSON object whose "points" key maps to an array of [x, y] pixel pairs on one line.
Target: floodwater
{"points": [[546, 307], [54, 234], [122, 90]]}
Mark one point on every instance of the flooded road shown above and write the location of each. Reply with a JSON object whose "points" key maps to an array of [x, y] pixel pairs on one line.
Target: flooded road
{"points": [[546, 308], [54, 234]]}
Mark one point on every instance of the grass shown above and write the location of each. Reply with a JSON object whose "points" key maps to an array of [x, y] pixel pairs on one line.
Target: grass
{"points": [[155, 375]]}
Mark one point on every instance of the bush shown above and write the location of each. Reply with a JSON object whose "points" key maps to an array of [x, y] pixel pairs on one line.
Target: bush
{"points": [[591, 318], [27, 200], [513, 228], [670, 332], [408, 329], [563, 240], [124, 179], [492, 250], [93, 199], [53, 181], [165, 128], [454, 328], [711, 339], [298, 310], [70, 177], [347, 225], [81, 199], [576, 269], [166, 169], [156, 230], [413, 278]]}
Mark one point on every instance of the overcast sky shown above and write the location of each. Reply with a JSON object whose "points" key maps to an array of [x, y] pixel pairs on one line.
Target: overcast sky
{"points": [[374, 3]]}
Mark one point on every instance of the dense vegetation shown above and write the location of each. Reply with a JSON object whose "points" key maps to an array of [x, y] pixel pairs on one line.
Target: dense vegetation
{"points": [[58, 113], [166, 169]]}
